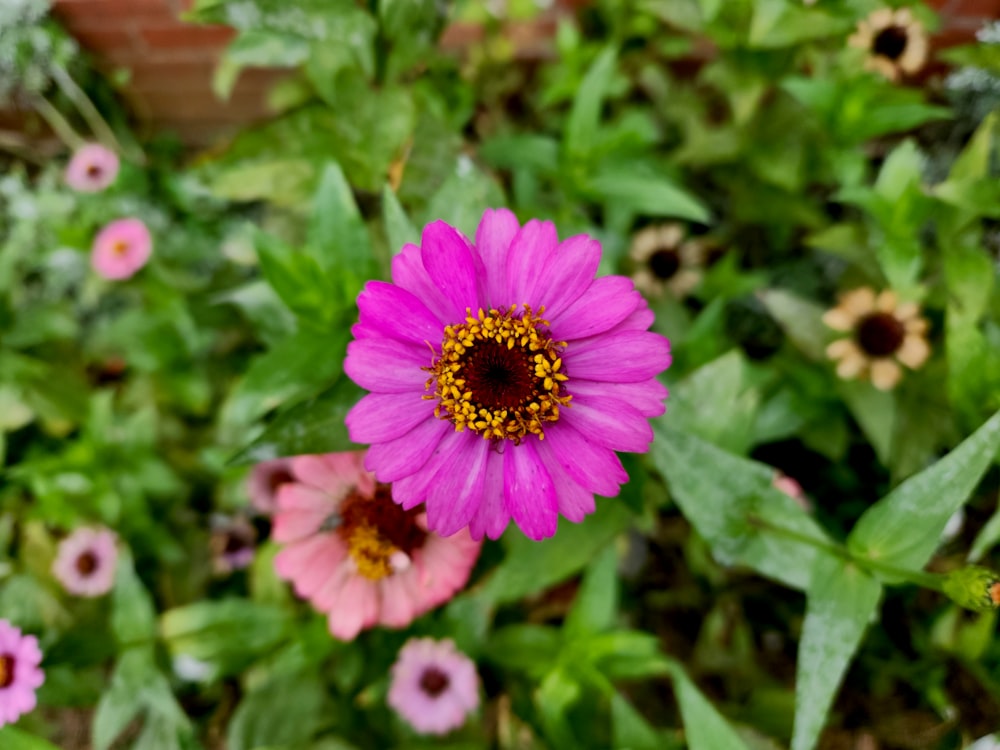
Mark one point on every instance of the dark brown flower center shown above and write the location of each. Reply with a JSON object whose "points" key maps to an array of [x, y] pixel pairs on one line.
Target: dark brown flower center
{"points": [[6, 670], [890, 42], [880, 334], [94, 171], [237, 540], [434, 682], [278, 478], [664, 263], [374, 528], [87, 563]]}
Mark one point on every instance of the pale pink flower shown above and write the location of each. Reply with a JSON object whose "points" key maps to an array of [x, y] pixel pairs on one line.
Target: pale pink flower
{"points": [[434, 686], [792, 488], [355, 554], [85, 563], [264, 480], [20, 676], [121, 248], [92, 168]]}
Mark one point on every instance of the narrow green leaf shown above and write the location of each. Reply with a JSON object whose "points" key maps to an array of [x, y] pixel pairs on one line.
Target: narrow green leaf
{"points": [[974, 161], [597, 598], [585, 114], [398, 227], [554, 697], [338, 237], [629, 729], [12, 738], [904, 527], [124, 697], [526, 648], [652, 194], [704, 727], [133, 615], [721, 494], [842, 601], [875, 412]]}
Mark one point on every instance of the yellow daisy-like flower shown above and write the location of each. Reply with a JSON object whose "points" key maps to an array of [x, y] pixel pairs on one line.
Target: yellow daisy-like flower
{"points": [[663, 261], [895, 41], [884, 333]]}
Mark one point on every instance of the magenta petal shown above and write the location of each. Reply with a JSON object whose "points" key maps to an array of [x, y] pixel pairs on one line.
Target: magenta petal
{"points": [[575, 502], [613, 424], [570, 273], [493, 237], [608, 301], [645, 396], [380, 417], [408, 272], [457, 490], [492, 517], [531, 249], [528, 491], [626, 357], [592, 466], [413, 487], [387, 365], [397, 313], [407, 454], [451, 267]]}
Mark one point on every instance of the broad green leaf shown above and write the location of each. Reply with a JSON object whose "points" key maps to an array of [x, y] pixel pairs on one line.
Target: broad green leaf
{"points": [[704, 727], [780, 23], [585, 114], [800, 319], [597, 598], [875, 413], [842, 600], [133, 614], [725, 497], [338, 237], [12, 738], [398, 228], [974, 161], [464, 196], [266, 49], [629, 729], [652, 194], [297, 279], [124, 697], [312, 426], [531, 566], [526, 648], [285, 181], [904, 528], [285, 711]]}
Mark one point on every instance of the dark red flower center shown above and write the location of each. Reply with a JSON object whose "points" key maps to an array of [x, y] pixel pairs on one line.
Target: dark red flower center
{"points": [[499, 374], [890, 42], [880, 334], [374, 528], [87, 563], [278, 478], [664, 263], [434, 682], [6, 670], [94, 171]]}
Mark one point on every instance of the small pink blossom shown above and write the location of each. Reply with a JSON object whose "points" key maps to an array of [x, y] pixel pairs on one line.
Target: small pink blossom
{"points": [[264, 480], [92, 168], [85, 563], [793, 489], [121, 248], [20, 676], [434, 686], [358, 556], [232, 543]]}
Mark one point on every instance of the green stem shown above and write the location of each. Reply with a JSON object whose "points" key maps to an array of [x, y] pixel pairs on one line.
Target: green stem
{"points": [[86, 108], [57, 122], [918, 578]]}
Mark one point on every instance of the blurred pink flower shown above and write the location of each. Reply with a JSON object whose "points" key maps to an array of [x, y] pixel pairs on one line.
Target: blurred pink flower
{"points": [[121, 248], [85, 563], [232, 543], [792, 488], [20, 676], [264, 480], [355, 554], [92, 168], [434, 686]]}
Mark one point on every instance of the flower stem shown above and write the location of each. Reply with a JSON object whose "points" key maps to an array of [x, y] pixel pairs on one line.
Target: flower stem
{"points": [[57, 122]]}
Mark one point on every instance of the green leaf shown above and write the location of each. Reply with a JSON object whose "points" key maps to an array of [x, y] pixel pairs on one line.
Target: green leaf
{"points": [[205, 630], [464, 196], [554, 697], [297, 278], [629, 729], [258, 48], [312, 426], [285, 711], [722, 495], [398, 227], [585, 114], [904, 528], [778, 23], [704, 727], [338, 237], [597, 598], [125, 696], [974, 161], [531, 566], [800, 319], [875, 412], [842, 600], [525, 648], [12, 738], [133, 614], [652, 194]]}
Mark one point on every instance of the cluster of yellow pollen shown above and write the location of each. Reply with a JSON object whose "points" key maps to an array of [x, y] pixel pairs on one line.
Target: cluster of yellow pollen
{"points": [[371, 551], [499, 374]]}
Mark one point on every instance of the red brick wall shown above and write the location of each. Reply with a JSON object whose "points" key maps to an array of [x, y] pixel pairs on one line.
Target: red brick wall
{"points": [[172, 62]]}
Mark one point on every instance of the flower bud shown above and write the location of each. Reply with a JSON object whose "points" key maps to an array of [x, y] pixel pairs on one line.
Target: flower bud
{"points": [[974, 588]]}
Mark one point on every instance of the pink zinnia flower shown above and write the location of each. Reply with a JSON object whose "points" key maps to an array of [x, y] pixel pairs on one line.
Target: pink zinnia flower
{"points": [[504, 377], [85, 563], [121, 248], [20, 676], [434, 685], [358, 556], [264, 480], [92, 168]]}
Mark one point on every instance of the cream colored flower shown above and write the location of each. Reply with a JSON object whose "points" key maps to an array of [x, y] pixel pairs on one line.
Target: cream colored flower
{"points": [[885, 333], [664, 261], [895, 41]]}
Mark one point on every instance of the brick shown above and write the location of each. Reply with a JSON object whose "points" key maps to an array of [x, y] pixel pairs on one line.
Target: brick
{"points": [[186, 36], [103, 40]]}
